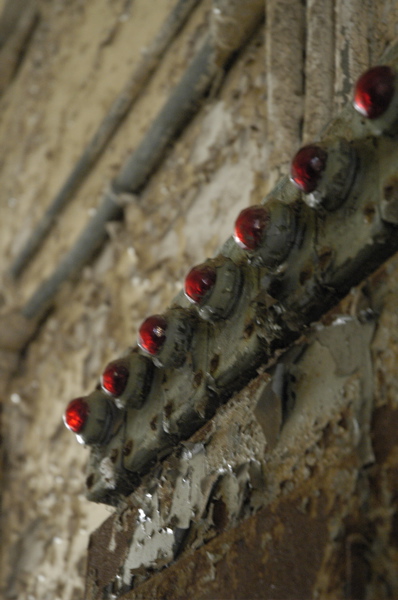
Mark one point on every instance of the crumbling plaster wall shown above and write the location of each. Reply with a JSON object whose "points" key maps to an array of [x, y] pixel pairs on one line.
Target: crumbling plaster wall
{"points": [[79, 57]]}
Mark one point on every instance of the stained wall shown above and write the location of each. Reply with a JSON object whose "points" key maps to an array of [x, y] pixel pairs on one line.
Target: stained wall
{"points": [[293, 75]]}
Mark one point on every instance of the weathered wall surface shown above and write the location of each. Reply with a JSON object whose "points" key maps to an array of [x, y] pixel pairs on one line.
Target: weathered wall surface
{"points": [[323, 478]]}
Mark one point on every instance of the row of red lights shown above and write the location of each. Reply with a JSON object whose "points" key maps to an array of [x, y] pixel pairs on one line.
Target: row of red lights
{"points": [[372, 97], [373, 94]]}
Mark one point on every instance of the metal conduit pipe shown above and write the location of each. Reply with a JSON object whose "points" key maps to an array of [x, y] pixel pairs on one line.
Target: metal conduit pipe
{"points": [[178, 110], [182, 105], [119, 109]]}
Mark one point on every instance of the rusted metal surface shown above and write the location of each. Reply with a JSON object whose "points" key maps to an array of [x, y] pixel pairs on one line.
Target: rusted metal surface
{"points": [[301, 547], [275, 554], [321, 519], [297, 517]]}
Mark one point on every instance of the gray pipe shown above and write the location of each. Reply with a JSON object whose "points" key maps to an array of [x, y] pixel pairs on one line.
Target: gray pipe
{"points": [[106, 130]]}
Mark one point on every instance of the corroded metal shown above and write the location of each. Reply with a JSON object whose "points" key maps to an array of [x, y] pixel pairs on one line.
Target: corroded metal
{"points": [[253, 486], [273, 306], [303, 426]]}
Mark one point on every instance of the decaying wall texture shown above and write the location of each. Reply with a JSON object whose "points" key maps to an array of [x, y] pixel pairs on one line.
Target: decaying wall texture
{"points": [[234, 512]]}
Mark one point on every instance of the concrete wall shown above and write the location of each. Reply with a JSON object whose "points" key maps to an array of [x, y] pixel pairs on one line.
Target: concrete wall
{"points": [[328, 501]]}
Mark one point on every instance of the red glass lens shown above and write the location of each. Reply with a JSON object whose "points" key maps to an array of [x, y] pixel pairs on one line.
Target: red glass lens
{"points": [[250, 227], [76, 415], [199, 281], [152, 334], [307, 168], [115, 377], [374, 91]]}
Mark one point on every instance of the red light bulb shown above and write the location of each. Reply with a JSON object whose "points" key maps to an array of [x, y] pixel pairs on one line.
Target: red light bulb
{"points": [[76, 414], [307, 168], [115, 377], [199, 282], [250, 227], [152, 334], [374, 91]]}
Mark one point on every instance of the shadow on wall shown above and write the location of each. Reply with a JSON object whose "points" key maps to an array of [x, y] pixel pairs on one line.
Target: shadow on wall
{"points": [[17, 24]]}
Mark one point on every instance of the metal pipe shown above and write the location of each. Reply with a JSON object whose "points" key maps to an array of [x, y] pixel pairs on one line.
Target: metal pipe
{"points": [[177, 112], [180, 108], [89, 242], [106, 130]]}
